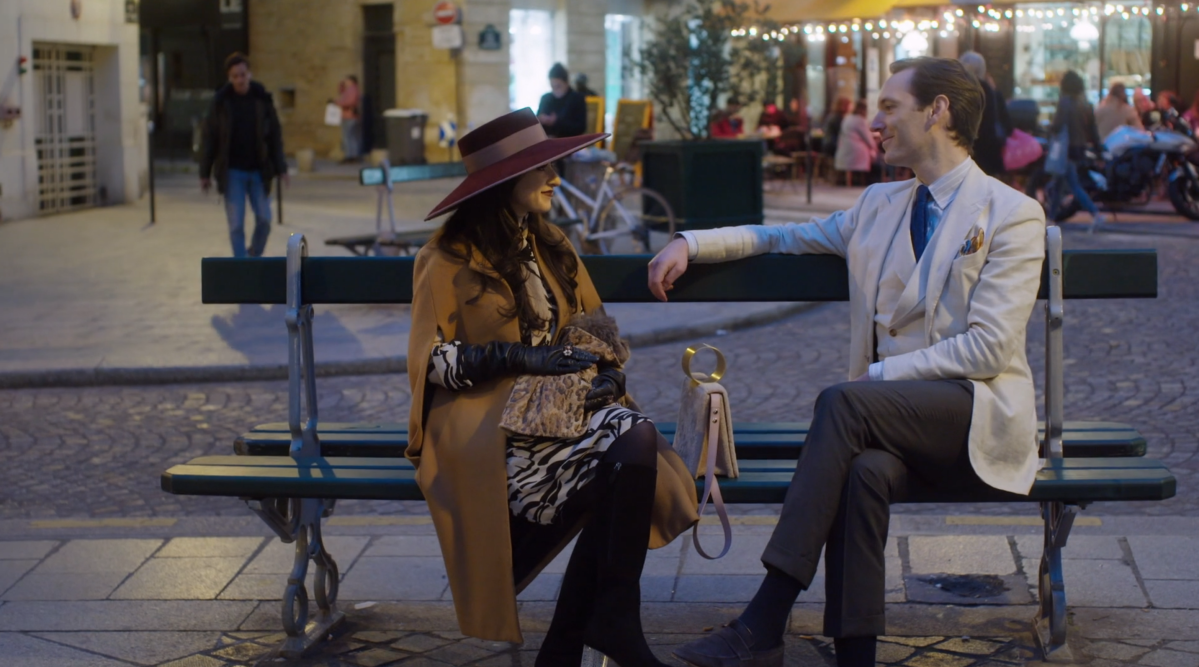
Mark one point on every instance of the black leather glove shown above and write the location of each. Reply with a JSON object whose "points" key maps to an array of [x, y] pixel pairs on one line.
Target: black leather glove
{"points": [[607, 387], [481, 363]]}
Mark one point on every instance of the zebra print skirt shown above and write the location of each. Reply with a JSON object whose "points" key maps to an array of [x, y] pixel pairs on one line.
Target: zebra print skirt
{"points": [[543, 473]]}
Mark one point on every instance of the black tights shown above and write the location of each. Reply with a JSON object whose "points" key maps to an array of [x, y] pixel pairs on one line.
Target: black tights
{"points": [[535, 544]]}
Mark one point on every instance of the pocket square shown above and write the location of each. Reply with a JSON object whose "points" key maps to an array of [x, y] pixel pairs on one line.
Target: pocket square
{"points": [[973, 243]]}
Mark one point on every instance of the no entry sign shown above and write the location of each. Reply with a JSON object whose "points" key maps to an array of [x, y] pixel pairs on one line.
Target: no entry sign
{"points": [[445, 12]]}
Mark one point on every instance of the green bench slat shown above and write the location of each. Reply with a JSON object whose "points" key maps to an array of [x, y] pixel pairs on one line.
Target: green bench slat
{"points": [[412, 172], [1089, 274], [762, 440], [1069, 480]]}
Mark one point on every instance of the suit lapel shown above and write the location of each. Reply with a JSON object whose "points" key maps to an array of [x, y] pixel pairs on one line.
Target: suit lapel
{"points": [[962, 215]]}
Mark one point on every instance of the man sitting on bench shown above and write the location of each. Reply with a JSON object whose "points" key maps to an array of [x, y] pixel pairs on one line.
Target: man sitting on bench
{"points": [[943, 274]]}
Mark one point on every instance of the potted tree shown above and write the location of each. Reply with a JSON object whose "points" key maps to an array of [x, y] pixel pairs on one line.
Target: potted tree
{"points": [[698, 55]]}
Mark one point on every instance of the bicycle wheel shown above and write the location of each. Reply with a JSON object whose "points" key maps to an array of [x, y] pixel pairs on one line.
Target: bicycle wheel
{"points": [[636, 220]]}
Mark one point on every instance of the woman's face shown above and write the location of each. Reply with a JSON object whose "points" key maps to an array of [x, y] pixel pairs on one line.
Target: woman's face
{"points": [[534, 191]]}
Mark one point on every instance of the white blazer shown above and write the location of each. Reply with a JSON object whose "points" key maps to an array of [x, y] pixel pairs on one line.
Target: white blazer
{"points": [[976, 306]]}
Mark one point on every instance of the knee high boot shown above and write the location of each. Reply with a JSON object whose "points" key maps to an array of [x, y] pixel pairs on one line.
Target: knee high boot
{"points": [[623, 523], [563, 644]]}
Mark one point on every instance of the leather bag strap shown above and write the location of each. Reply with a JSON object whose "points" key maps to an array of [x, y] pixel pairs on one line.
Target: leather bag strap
{"points": [[711, 487]]}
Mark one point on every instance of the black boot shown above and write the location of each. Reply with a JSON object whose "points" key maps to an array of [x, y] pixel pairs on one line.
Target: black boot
{"points": [[563, 644], [622, 523]]}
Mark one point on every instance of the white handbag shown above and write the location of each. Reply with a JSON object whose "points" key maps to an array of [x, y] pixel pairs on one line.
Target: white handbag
{"points": [[704, 439], [332, 115]]}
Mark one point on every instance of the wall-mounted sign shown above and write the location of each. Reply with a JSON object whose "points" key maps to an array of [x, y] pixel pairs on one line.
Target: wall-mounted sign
{"points": [[448, 37], [232, 14], [130, 11], [446, 12], [490, 39], [76, 9]]}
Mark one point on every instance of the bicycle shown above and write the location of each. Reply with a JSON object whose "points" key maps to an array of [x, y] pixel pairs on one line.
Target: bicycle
{"points": [[616, 213]]}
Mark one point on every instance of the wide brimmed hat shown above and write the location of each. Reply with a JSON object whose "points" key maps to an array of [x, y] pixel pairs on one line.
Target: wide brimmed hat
{"points": [[503, 149]]}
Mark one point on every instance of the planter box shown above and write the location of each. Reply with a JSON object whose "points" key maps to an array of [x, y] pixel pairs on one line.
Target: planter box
{"points": [[715, 183]]}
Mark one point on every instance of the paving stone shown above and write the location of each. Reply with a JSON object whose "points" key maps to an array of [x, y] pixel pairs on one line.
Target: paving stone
{"points": [[25, 549], [139, 647], [934, 659], [1189, 647], [243, 652], [889, 653], [420, 643], [743, 558], [12, 570], [712, 588], [1090, 547], [404, 545], [180, 579], [210, 547], [1115, 651], [395, 578], [459, 653], [195, 661], [917, 642], [969, 646], [1166, 658], [124, 615], [28, 651], [544, 587], [261, 586], [278, 558], [1166, 557], [960, 554], [1098, 583], [377, 636], [374, 657], [99, 556], [1168, 594], [60, 586]]}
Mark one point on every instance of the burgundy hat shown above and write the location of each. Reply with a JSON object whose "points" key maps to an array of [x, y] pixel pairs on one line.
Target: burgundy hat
{"points": [[503, 149]]}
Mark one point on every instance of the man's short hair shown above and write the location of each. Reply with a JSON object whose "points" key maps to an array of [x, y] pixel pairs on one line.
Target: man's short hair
{"points": [[236, 58], [944, 76], [975, 64], [558, 71]]}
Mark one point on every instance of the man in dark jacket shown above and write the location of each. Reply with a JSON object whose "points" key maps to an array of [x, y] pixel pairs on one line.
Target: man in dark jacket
{"points": [[243, 151], [563, 111], [996, 126]]}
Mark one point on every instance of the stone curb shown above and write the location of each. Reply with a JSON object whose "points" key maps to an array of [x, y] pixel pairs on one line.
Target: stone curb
{"points": [[95, 377]]}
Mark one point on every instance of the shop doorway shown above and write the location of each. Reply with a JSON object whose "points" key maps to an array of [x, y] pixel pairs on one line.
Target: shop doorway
{"points": [[65, 126], [378, 73]]}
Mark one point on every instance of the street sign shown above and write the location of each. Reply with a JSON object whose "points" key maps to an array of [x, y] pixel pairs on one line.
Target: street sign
{"points": [[490, 39], [448, 37], [445, 12], [447, 132]]}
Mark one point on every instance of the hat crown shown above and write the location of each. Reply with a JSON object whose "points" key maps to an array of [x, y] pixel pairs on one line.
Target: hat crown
{"points": [[494, 131]]}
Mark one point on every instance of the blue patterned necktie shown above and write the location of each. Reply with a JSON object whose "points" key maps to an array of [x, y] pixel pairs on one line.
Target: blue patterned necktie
{"points": [[920, 221]]}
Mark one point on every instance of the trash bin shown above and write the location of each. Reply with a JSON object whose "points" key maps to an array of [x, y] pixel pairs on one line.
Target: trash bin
{"points": [[405, 135]]}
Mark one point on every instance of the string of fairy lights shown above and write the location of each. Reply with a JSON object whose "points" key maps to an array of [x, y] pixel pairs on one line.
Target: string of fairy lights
{"points": [[986, 18]]}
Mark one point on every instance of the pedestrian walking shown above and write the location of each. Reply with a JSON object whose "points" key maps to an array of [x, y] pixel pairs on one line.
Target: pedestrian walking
{"points": [[1115, 112], [832, 126], [1074, 113], [944, 271], [495, 291], [351, 131], [563, 111], [856, 148], [996, 126], [243, 153]]}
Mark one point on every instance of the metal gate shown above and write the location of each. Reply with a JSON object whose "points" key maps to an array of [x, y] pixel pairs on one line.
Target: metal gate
{"points": [[64, 90]]}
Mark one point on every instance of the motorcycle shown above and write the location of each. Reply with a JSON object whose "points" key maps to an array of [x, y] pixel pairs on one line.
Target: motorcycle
{"points": [[1136, 161]]}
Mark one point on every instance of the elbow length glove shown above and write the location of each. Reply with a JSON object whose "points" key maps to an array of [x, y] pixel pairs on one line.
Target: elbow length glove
{"points": [[481, 363]]}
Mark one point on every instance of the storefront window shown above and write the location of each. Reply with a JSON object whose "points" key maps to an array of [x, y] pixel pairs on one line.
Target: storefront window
{"points": [[1127, 49], [531, 54], [622, 45]]}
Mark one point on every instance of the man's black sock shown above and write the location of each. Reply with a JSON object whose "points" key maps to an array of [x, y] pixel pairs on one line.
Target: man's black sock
{"points": [[766, 616], [855, 651]]}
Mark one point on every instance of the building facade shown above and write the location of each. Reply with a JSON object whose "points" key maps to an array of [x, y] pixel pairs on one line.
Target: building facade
{"points": [[72, 126]]}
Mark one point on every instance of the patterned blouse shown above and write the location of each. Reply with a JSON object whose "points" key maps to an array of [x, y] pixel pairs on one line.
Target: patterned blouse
{"points": [[543, 473]]}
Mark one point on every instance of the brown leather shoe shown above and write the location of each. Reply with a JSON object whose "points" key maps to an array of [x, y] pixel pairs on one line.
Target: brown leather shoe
{"points": [[729, 648]]}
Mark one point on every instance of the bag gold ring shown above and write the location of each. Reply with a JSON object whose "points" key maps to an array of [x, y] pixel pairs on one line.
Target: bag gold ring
{"points": [[697, 378]]}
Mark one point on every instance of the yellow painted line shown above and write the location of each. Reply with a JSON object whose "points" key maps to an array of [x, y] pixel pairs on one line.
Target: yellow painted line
{"points": [[379, 521], [1014, 521], [103, 523]]}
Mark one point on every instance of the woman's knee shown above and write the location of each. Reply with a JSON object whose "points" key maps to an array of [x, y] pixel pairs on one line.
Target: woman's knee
{"points": [[638, 446]]}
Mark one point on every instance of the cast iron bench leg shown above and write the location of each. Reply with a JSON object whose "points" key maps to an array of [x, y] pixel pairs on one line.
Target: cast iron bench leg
{"points": [[1050, 621], [299, 520]]}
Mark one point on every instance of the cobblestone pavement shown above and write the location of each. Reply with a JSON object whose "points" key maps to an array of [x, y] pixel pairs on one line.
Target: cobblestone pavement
{"points": [[99, 451]]}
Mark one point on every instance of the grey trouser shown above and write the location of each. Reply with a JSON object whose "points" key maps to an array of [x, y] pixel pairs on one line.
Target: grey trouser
{"points": [[868, 444]]}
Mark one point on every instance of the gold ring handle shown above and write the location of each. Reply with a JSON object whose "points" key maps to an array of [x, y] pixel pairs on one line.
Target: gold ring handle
{"points": [[697, 378]]}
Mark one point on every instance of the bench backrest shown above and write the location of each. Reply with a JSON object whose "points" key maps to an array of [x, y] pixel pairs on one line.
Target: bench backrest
{"points": [[1087, 274], [411, 172]]}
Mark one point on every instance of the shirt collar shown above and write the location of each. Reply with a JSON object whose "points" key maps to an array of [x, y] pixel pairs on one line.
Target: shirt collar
{"points": [[944, 189]]}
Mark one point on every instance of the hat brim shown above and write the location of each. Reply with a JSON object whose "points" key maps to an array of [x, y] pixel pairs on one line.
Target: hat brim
{"points": [[512, 166]]}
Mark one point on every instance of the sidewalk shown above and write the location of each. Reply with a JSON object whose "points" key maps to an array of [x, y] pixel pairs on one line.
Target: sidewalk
{"points": [[204, 592]]}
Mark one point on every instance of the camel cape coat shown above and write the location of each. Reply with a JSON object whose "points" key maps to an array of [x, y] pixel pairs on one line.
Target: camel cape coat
{"points": [[459, 451]]}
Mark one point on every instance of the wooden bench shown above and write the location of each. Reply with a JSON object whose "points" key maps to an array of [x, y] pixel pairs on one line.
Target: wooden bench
{"points": [[363, 461]]}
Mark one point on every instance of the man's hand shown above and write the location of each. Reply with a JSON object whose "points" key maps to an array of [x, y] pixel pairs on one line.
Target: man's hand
{"points": [[205, 185], [548, 118], [667, 266]]}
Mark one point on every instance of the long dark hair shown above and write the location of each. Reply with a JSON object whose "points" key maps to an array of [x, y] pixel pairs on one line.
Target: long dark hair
{"points": [[487, 222]]}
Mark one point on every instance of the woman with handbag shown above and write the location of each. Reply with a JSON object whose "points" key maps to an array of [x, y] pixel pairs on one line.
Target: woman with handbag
{"points": [[1074, 121], [495, 291]]}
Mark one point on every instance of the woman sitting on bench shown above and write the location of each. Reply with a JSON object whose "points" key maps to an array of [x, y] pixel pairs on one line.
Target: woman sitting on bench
{"points": [[493, 290]]}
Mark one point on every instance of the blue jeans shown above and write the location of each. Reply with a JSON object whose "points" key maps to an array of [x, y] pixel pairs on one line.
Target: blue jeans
{"points": [[243, 184], [350, 139], [1070, 180]]}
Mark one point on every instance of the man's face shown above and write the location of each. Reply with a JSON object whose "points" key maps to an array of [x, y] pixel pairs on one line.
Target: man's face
{"points": [[559, 87], [239, 76], [906, 129]]}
